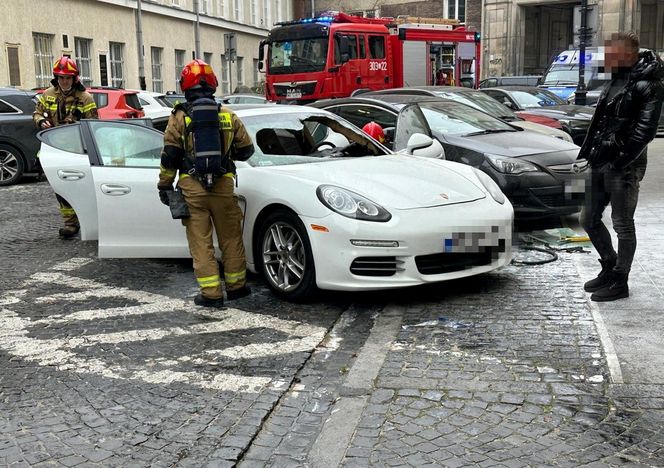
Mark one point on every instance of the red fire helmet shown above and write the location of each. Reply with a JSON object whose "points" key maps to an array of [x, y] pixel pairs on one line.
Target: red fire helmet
{"points": [[197, 72], [375, 131], [65, 66]]}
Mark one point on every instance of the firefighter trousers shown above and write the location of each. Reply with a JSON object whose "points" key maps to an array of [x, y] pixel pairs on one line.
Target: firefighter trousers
{"points": [[217, 208], [67, 212]]}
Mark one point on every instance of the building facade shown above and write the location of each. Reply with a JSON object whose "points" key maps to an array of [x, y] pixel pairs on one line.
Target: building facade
{"points": [[102, 36], [466, 11], [523, 36]]}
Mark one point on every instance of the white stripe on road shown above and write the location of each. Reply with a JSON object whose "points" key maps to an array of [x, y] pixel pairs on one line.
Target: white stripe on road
{"points": [[615, 372], [60, 352], [258, 350]]}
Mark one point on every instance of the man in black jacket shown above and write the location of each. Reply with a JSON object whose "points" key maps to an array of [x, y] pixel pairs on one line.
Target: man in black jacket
{"points": [[625, 121]]}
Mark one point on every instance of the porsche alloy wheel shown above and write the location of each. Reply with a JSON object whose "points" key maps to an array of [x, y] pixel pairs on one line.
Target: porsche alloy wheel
{"points": [[286, 258], [11, 165]]}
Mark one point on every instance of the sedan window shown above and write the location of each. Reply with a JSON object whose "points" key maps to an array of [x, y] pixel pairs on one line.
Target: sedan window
{"points": [[458, 119], [125, 144], [66, 138]]}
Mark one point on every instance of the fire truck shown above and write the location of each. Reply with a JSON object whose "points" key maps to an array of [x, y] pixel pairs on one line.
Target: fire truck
{"points": [[332, 56]]}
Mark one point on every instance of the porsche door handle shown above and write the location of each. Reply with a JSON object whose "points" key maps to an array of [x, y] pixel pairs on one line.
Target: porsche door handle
{"points": [[114, 189], [70, 175]]}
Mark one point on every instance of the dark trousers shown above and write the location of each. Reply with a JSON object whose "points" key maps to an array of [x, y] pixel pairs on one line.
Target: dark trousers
{"points": [[620, 187]]}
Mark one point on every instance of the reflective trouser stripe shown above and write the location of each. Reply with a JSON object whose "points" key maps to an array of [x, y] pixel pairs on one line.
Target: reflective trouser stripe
{"points": [[232, 278], [167, 172], [209, 281], [67, 211]]}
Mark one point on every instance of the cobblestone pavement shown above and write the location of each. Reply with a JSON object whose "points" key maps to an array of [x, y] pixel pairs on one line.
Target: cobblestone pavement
{"points": [[106, 362]]}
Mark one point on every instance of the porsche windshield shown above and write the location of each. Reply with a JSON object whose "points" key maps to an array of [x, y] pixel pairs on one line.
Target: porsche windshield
{"points": [[297, 56], [282, 139]]}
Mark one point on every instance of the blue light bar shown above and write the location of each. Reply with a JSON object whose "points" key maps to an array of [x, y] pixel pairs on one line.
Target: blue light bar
{"points": [[320, 19]]}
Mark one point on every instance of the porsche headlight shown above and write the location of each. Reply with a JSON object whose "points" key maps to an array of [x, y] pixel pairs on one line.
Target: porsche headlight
{"points": [[512, 166], [490, 186], [351, 205]]}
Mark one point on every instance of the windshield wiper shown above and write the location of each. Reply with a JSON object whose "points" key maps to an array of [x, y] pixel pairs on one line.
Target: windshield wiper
{"points": [[489, 131], [559, 83]]}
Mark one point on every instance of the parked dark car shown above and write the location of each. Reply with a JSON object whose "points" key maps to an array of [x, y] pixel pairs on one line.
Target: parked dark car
{"points": [[524, 80], [539, 174], [18, 142], [574, 119], [481, 101], [171, 98]]}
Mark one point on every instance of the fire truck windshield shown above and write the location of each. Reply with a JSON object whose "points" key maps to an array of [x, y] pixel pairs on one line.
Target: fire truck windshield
{"points": [[297, 56]]}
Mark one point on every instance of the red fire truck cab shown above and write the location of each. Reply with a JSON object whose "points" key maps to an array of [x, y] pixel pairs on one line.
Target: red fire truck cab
{"points": [[332, 56]]}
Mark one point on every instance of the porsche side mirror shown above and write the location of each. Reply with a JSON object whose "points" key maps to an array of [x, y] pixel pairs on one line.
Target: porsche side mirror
{"points": [[422, 145]]}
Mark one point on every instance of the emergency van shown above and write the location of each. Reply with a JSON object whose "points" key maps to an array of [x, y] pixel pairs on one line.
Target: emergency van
{"points": [[562, 76]]}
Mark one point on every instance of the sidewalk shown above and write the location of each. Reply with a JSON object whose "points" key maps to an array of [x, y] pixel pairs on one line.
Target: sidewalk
{"points": [[517, 370]]}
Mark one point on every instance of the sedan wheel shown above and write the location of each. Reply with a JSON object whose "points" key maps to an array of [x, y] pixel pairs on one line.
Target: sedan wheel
{"points": [[286, 258], [11, 165]]}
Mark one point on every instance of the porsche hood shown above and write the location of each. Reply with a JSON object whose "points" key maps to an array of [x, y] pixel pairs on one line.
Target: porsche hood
{"points": [[401, 182]]}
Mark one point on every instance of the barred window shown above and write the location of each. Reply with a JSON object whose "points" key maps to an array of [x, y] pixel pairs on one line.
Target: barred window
{"points": [[266, 13], [157, 80], [224, 74], [254, 11], [117, 64], [83, 48], [237, 10], [240, 71], [179, 65], [43, 59]]}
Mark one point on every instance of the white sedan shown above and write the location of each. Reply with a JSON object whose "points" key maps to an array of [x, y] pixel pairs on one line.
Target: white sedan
{"points": [[325, 205]]}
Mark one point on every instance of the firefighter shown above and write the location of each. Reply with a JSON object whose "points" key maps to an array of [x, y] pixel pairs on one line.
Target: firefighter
{"points": [[375, 131], [201, 141], [63, 103]]}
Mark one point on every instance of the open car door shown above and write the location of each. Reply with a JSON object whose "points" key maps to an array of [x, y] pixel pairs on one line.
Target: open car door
{"points": [[66, 164], [132, 221]]}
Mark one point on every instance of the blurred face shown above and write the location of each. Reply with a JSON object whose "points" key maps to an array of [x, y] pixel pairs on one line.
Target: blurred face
{"points": [[65, 82], [618, 54]]}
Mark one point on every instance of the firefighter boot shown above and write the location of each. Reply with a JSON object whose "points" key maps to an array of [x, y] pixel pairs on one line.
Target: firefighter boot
{"points": [[68, 231], [603, 279], [238, 293], [203, 301], [616, 289]]}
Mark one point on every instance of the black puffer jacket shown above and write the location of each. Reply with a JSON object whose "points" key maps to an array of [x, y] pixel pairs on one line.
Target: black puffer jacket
{"points": [[623, 126]]}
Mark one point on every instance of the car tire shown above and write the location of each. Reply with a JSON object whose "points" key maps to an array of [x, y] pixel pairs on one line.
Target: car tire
{"points": [[12, 165], [285, 258]]}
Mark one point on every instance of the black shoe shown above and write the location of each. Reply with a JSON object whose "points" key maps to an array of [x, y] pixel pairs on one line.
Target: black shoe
{"points": [[68, 232], [238, 293], [203, 301], [603, 279], [617, 289]]}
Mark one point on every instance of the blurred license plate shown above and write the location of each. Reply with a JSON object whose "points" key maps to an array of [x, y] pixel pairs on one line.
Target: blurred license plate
{"points": [[293, 93]]}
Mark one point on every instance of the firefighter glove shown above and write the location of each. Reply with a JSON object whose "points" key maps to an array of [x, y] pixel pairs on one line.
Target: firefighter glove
{"points": [[163, 194]]}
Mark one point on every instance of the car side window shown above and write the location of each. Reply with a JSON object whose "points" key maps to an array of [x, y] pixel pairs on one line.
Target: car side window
{"points": [[101, 99], [7, 109], [125, 144], [500, 97], [66, 138]]}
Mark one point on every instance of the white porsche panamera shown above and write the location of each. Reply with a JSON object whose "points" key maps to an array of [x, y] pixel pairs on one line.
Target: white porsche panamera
{"points": [[325, 205]]}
